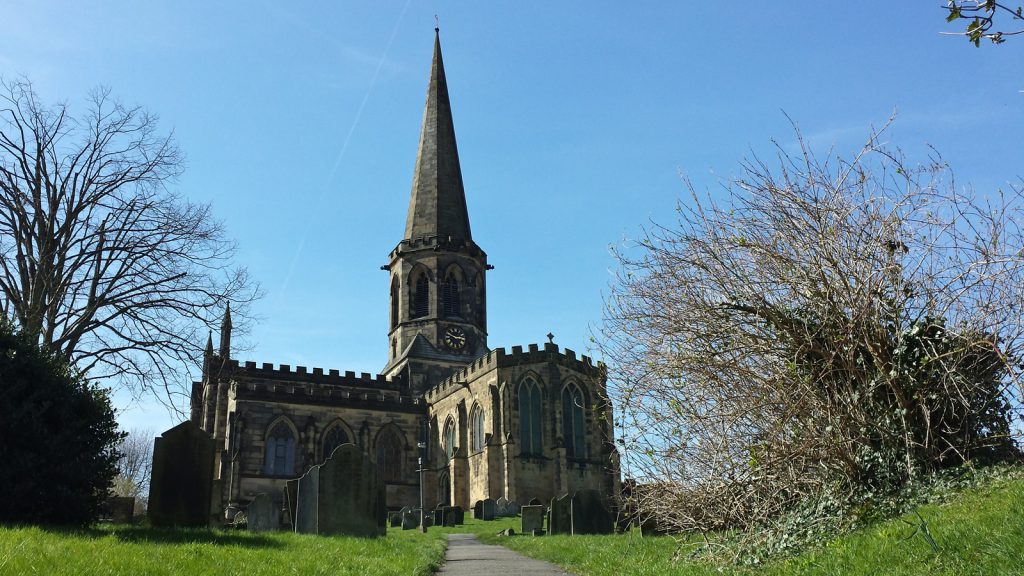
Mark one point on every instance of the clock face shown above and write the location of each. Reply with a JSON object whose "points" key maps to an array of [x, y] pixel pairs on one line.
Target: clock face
{"points": [[455, 338]]}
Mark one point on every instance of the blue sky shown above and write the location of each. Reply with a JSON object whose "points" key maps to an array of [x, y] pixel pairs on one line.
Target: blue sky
{"points": [[575, 121]]}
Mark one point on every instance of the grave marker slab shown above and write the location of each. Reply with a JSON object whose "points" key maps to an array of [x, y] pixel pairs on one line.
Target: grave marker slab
{"points": [[533, 518], [560, 515], [181, 481], [344, 495], [263, 514], [590, 514], [487, 509]]}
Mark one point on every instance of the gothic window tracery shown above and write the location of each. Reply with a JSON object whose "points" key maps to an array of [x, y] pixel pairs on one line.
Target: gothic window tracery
{"points": [[573, 421], [530, 417], [389, 455], [449, 438], [335, 436], [279, 458], [477, 428]]}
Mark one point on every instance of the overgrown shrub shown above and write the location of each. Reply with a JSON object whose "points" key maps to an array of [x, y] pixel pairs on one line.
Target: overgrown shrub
{"points": [[58, 437], [829, 334]]}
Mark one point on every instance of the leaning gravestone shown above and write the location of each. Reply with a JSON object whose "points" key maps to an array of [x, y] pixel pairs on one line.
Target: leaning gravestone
{"points": [[487, 509], [478, 510], [533, 518], [344, 495], [263, 515], [291, 496], [181, 482], [560, 515], [590, 515]]}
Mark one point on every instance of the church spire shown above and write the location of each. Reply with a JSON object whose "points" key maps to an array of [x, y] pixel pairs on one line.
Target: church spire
{"points": [[225, 333], [437, 207]]}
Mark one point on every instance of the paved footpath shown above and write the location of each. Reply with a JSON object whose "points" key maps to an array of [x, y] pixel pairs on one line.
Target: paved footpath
{"points": [[466, 556]]}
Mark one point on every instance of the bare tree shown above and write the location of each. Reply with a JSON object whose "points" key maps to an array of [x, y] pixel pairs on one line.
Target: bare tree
{"points": [[135, 465], [111, 269], [826, 334], [981, 17]]}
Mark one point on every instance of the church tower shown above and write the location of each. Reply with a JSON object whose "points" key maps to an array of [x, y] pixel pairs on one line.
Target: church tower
{"points": [[438, 293]]}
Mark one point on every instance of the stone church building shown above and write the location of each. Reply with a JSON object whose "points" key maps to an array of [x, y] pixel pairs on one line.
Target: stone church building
{"points": [[518, 423]]}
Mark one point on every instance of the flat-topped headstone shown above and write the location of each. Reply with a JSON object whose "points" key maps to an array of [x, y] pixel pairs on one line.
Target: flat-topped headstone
{"points": [[590, 514], [487, 509], [458, 515], [181, 482], [533, 518], [263, 515]]}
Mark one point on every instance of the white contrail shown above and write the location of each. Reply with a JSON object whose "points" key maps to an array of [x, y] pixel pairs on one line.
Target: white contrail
{"points": [[344, 145]]}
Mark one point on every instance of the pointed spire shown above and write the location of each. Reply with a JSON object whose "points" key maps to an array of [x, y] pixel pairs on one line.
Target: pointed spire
{"points": [[438, 203], [209, 343], [225, 333]]}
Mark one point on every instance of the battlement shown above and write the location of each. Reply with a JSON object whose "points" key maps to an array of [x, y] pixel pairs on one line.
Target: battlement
{"points": [[435, 243], [534, 354], [286, 372]]}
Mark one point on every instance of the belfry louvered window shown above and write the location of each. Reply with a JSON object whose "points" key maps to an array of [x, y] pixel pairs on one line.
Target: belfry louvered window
{"points": [[450, 296], [421, 297]]}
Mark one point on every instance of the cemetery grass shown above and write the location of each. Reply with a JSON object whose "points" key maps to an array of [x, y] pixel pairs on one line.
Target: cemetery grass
{"points": [[979, 531], [117, 549]]}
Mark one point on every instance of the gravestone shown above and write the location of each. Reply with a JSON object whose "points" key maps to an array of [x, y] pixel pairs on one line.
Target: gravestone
{"points": [[535, 502], [344, 495], [448, 516], [560, 515], [410, 519], [487, 509], [122, 509], [512, 508], [291, 495], [501, 507], [478, 510], [307, 500], [533, 518], [181, 482], [590, 514], [439, 516], [458, 515], [263, 514], [395, 519]]}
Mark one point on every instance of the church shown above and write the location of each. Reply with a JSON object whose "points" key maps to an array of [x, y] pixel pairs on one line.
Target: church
{"points": [[519, 423]]}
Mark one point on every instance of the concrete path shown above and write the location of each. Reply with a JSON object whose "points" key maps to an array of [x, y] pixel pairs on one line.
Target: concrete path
{"points": [[466, 556]]}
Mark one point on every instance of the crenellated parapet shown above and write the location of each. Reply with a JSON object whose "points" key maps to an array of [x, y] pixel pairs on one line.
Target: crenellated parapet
{"points": [[301, 385], [517, 356]]}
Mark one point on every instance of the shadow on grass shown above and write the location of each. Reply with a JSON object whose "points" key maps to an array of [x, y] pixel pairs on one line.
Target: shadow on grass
{"points": [[147, 534]]}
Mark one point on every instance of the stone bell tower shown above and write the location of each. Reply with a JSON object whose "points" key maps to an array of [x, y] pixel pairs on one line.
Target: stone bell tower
{"points": [[438, 319]]}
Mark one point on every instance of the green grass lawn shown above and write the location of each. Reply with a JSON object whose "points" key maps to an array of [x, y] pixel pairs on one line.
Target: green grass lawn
{"points": [[979, 532], [138, 550]]}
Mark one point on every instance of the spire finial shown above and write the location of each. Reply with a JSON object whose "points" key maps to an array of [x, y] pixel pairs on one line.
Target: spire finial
{"points": [[437, 25]]}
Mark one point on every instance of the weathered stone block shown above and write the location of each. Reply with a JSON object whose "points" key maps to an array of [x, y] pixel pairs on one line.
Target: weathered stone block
{"points": [[181, 483]]}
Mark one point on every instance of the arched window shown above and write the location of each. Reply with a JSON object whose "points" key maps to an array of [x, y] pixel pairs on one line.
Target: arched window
{"points": [[421, 297], [573, 421], [449, 439], [394, 302], [279, 459], [451, 300], [444, 487], [530, 419], [476, 421], [335, 436], [389, 455]]}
